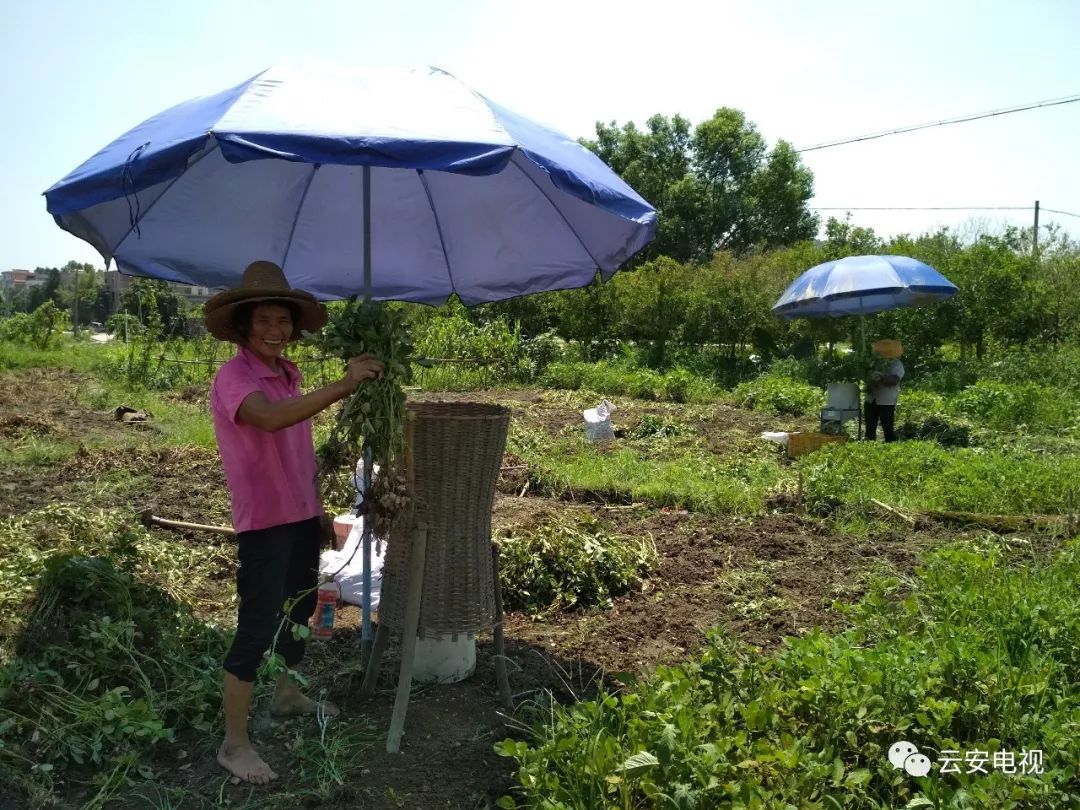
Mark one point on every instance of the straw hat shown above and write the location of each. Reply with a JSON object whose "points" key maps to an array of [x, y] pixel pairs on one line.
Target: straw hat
{"points": [[889, 349], [262, 281]]}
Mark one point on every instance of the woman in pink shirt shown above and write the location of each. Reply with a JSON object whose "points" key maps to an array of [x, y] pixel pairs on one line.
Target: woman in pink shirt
{"points": [[263, 427]]}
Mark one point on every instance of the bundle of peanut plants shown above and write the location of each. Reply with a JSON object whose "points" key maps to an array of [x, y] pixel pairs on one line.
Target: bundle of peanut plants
{"points": [[375, 412]]}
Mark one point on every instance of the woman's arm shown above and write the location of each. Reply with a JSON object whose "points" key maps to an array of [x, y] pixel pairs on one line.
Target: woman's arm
{"points": [[259, 411]]}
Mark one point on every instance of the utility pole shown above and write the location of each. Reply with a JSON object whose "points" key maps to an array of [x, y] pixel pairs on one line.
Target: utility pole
{"points": [[75, 306], [1035, 239]]}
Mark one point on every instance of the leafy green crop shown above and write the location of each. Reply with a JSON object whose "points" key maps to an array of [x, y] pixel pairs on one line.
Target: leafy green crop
{"points": [[777, 393], [104, 658], [561, 565], [982, 655]]}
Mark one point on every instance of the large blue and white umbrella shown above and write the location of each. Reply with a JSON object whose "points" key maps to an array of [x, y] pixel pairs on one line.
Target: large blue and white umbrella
{"points": [[391, 184], [404, 184], [862, 285]]}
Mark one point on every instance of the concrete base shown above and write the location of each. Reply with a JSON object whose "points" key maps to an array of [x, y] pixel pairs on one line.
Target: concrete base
{"points": [[442, 660]]}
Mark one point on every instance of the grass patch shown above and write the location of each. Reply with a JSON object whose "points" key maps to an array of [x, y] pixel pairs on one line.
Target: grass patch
{"points": [[67, 353], [747, 593], [982, 656], [689, 478], [924, 476], [37, 451]]}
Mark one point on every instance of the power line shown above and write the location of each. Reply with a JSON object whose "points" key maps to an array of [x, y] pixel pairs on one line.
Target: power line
{"points": [[939, 208], [928, 208], [1065, 213], [1053, 102]]}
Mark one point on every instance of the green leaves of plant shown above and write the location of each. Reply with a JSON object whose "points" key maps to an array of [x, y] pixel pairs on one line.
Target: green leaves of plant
{"points": [[638, 764]]}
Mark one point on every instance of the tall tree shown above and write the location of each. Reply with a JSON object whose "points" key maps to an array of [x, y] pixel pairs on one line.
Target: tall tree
{"points": [[715, 187], [89, 283], [49, 291]]}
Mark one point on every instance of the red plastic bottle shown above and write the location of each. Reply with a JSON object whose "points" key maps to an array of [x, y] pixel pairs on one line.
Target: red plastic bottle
{"points": [[325, 607]]}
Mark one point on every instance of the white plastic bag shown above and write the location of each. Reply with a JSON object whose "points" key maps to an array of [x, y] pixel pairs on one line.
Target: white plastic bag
{"points": [[598, 422], [776, 436]]}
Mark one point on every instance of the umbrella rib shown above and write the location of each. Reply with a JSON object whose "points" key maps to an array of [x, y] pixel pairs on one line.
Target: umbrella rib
{"points": [[547, 197], [438, 228], [172, 182], [299, 208]]}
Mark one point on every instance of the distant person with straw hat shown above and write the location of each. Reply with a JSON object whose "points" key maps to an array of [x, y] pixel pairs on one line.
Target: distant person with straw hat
{"points": [[883, 390], [263, 427]]}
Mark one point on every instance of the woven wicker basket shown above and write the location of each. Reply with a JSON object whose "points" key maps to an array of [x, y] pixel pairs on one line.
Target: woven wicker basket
{"points": [[800, 444], [455, 452]]}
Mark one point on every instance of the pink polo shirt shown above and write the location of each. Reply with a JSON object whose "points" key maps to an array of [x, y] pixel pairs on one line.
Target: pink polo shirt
{"points": [[271, 476]]}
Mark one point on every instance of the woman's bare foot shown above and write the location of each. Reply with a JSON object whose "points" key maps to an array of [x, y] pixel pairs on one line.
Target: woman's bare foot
{"points": [[244, 763], [293, 702]]}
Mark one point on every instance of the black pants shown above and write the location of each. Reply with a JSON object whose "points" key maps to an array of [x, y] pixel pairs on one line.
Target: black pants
{"points": [[276, 564], [887, 415]]}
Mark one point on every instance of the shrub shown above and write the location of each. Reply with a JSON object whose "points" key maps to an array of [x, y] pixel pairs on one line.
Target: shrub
{"points": [[621, 377], [776, 393], [653, 426], [540, 351]]}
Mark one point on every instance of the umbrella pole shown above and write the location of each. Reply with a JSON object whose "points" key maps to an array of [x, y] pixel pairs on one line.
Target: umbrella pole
{"points": [[365, 536]]}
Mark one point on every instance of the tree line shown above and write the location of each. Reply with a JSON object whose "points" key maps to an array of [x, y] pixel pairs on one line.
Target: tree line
{"points": [[734, 230]]}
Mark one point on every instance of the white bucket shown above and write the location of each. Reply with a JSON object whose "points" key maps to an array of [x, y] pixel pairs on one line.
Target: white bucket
{"points": [[444, 660], [842, 397]]}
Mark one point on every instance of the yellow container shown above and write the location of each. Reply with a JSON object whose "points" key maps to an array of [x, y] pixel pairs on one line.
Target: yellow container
{"points": [[799, 444]]}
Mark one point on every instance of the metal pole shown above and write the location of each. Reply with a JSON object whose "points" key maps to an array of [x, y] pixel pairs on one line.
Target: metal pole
{"points": [[365, 535], [367, 233]]}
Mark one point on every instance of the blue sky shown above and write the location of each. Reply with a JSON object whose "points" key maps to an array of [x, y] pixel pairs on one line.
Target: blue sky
{"points": [[75, 75]]}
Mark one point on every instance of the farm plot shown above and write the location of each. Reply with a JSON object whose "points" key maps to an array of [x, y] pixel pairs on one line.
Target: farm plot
{"points": [[73, 481]]}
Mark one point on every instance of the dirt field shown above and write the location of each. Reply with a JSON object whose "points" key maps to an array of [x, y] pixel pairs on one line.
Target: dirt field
{"points": [[762, 579]]}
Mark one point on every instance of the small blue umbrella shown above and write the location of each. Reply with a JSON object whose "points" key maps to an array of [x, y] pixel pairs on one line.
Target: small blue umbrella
{"points": [[862, 285], [394, 184]]}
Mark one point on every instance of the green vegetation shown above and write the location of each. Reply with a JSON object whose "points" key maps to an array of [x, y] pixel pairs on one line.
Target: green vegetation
{"points": [[923, 475], [981, 655], [613, 378], [561, 565], [106, 645], [102, 657], [662, 474], [777, 392]]}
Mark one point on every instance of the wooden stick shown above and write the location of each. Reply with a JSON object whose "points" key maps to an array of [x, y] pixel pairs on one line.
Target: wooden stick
{"points": [[149, 520], [1005, 523], [374, 662], [893, 511], [417, 554], [501, 678]]}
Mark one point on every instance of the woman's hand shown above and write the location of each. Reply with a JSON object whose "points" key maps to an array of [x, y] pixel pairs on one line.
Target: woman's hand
{"points": [[363, 367]]}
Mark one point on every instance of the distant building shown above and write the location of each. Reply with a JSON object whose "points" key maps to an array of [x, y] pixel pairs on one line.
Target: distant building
{"points": [[116, 284], [15, 280]]}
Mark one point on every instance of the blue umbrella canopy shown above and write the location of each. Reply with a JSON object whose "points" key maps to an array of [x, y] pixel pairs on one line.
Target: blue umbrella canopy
{"points": [[862, 285], [405, 176]]}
